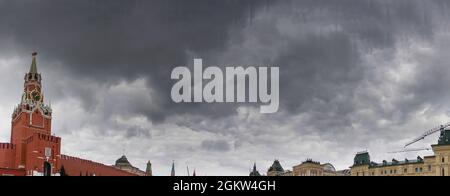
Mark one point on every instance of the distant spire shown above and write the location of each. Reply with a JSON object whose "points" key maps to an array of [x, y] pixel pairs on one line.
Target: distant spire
{"points": [[172, 173], [254, 172], [33, 68], [148, 170], [187, 168]]}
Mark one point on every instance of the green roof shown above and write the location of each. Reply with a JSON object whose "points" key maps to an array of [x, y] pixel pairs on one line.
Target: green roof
{"points": [[396, 163], [276, 166], [362, 158], [123, 161], [444, 139]]}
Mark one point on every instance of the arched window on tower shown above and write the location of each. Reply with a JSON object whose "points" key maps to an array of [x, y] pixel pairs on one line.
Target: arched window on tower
{"points": [[443, 172]]}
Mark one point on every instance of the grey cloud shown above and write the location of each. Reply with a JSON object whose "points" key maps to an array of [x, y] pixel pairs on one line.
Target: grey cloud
{"points": [[136, 131], [216, 145]]}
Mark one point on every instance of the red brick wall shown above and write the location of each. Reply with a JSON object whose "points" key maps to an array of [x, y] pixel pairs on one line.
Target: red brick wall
{"points": [[37, 119], [75, 167], [35, 152], [7, 155], [12, 172]]}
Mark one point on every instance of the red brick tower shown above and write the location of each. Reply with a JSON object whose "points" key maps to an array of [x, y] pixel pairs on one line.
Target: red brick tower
{"points": [[37, 151]]}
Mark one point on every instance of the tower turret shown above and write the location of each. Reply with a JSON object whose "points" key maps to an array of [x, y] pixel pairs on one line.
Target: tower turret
{"points": [[33, 75], [148, 170], [255, 172]]}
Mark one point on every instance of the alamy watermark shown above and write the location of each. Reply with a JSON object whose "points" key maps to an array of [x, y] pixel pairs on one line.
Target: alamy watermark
{"points": [[213, 91]]}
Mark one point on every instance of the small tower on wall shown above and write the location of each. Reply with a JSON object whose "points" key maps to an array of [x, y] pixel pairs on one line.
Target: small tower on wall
{"points": [[148, 170]]}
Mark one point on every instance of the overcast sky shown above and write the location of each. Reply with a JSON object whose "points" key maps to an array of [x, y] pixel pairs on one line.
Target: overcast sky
{"points": [[354, 75]]}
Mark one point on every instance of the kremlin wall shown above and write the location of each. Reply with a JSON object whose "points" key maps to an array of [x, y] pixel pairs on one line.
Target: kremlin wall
{"points": [[79, 167]]}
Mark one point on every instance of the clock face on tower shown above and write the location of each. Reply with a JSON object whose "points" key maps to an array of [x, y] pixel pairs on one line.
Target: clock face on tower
{"points": [[36, 96]]}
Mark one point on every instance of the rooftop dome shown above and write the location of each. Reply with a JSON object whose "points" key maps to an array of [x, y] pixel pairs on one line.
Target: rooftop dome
{"points": [[123, 161], [329, 167]]}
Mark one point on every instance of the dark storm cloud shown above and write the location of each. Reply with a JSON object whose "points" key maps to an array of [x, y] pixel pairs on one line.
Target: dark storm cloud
{"points": [[326, 65], [124, 39], [320, 46], [114, 40]]}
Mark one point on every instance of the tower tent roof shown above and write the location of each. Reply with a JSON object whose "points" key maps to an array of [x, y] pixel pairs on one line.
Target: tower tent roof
{"points": [[255, 172], [33, 67], [276, 166]]}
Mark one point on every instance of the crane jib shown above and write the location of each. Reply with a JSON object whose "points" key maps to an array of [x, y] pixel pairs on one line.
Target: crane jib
{"points": [[430, 132]]}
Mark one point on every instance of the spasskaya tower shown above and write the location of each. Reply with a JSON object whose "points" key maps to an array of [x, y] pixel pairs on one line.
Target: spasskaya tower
{"points": [[31, 127]]}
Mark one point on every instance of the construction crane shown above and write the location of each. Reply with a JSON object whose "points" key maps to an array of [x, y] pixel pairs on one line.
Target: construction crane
{"points": [[430, 132], [410, 150]]}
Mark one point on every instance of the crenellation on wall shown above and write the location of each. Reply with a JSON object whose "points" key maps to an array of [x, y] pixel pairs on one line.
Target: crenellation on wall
{"points": [[7, 146], [7, 151]]}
